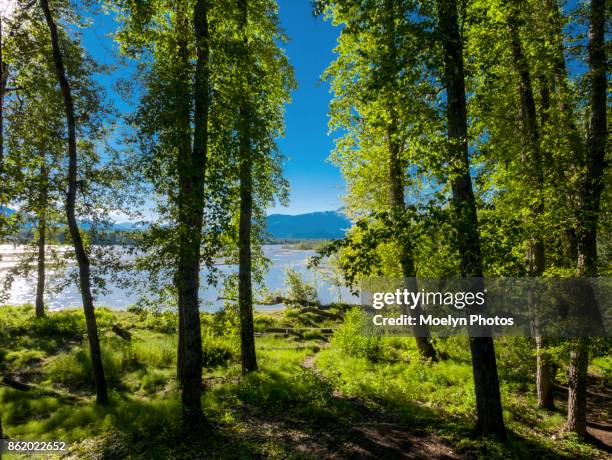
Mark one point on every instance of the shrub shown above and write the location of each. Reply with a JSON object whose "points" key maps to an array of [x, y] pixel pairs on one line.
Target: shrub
{"points": [[351, 340], [216, 350], [298, 290]]}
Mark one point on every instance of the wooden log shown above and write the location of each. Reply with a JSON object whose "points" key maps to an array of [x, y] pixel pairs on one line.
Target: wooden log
{"points": [[15, 384], [124, 334]]}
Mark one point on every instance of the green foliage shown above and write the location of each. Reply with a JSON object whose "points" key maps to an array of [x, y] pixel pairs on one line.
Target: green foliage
{"points": [[299, 292], [217, 350], [350, 337]]}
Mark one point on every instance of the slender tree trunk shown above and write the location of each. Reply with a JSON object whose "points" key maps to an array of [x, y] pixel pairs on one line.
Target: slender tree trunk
{"points": [[79, 248], [396, 178], [396, 173], [536, 252], [530, 126], [245, 288], [590, 199], [484, 365], [192, 173], [544, 376], [593, 183], [545, 367], [42, 230], [577, 388]]}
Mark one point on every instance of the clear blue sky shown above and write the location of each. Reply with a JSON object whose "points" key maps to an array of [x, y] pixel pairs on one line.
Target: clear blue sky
{"points": [[316, 185]]}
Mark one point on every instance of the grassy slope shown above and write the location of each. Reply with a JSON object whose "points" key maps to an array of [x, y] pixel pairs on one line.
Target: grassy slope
{"points": [[294, 407]]}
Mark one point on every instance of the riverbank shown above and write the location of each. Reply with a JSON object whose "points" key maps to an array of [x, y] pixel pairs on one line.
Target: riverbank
{"points": [[322, 391]]}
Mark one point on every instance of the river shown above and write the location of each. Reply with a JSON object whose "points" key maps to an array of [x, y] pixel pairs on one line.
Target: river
{"points": [[281, 258]]}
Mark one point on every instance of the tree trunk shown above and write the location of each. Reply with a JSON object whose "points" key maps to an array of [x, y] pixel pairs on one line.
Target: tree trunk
{"points": [[79, 249], [544, 376], [577, 388], [396, 179], [590, 198], [484, 365], [42, 230], [192, 173], [536, 252], [245, 288], [396, 172], [593, 183]]}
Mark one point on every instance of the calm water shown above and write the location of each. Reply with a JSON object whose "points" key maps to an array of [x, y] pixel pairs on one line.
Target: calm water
{"points": [[281, 258]]}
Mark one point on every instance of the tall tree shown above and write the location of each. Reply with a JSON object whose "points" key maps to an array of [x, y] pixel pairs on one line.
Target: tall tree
{"points": [[245, 263], [173, 129], [380, 100], [592, 185], [77, 241], [484, 365], [535, 167], [258, 97], [191, 174], [35, 136]]}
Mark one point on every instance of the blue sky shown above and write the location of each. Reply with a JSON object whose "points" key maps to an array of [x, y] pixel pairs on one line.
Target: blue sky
{"points": [[316, 185]]}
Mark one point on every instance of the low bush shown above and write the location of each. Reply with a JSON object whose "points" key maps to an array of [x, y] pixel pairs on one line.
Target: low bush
{"points": [[351, 340]]}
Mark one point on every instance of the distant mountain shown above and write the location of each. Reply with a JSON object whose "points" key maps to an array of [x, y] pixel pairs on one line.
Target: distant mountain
{"points": [[314, 225]]}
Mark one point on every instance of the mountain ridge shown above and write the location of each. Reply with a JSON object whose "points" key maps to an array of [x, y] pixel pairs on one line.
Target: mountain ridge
{"points": [[313, 225]]}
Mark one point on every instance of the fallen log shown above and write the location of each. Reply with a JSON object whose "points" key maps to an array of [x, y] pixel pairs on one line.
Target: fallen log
{"points": [[15, 384], [39, 389], [124, 334]]}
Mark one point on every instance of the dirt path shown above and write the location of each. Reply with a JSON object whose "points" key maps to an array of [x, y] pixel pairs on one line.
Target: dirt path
{"points": [[599, 402], [371, 435]]}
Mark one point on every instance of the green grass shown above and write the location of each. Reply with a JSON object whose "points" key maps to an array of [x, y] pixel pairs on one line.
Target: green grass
{"points": [[353, 374]]}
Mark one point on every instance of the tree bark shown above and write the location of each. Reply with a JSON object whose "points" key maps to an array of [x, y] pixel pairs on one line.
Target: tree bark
{"points": [[544, 376], [593, 183], [590, 200], [192, 173], [396, 172], [245, 288], [396, 182], [577, 388], [484, 365], [42, 230], [79, 248], [536, 252]]}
